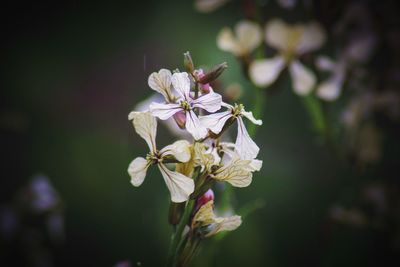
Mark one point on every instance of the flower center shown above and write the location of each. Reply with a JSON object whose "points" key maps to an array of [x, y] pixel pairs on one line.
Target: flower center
{"points": [[237, 110], [153, 157], [185, 105]]}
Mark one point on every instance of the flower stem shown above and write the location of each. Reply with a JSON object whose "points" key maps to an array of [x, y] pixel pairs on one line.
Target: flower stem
{"points": [[178, 233]]}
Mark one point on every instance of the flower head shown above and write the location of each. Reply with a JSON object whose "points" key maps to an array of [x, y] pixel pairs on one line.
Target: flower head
{"points": [[186, 103], [246, 37], [244, 145], [179, 185], [291, 41]]}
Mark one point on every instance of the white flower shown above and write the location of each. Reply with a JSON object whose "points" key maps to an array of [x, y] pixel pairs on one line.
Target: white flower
{"points": [[161, 83], [208, 224], [291, 41], [178, 184], [330, 89], [210, 102], [246, 38], [244, 145], [237, 172]]}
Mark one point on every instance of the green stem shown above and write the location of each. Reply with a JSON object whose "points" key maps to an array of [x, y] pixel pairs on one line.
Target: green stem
{"points": [[317, 115], [178, 233]]}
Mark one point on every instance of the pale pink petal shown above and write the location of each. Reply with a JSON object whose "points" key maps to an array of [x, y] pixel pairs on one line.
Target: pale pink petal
{"points": [[210, 102], [193, 126], [164, 111], [178, 184], [215, 122], [245, 146], [181, 83]]}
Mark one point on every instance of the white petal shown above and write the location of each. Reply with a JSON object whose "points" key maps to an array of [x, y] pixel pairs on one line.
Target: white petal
{"points": [[137, 170], [193, 126], [178, 184], [161, 82], [145, 126], [226, 41], [245, 146], [280, 35], [264, 72], [215, 122], [164, 111], [181, 83], [329, 90], [228, 224], [249, 115], [255, 165], [179, 149], [210, 102], [249, 35], [303, 79], [312, 38], [237, 172]]}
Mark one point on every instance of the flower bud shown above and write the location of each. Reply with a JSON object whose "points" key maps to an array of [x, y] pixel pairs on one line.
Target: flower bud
{"points": [[180, 119], [199, 74], [213, 74], [188, 62], [206, 197]]}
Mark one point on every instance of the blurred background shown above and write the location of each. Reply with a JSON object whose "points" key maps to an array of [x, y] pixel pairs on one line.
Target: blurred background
{"points": [[71, 73]]}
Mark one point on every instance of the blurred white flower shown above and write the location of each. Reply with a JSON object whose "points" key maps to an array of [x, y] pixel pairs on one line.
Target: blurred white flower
{"points": [[246, 37], [178, 184], [330, 89], [291, 41]]}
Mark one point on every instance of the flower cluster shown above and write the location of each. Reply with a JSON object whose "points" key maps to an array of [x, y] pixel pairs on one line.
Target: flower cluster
{"points": [[189, 168]]}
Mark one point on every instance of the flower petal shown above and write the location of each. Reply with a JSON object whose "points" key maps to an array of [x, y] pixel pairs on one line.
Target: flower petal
{"points": [[145, 126], [329, 90], [178, 184], [164, 111], [226, 41], [215, 122], [181, 83], [137, 170], [303, 79], [226, 224], [161, 82], [249, 35], [179, 149], [245, 146], [236, 172], [207, 6], [312, 38], [249, 115], [210, 102], [264, 72], [282, 36], [194, 127]]}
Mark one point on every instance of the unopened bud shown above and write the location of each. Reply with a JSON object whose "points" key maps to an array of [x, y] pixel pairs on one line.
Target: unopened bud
{"points": [[188, 62], [199, 74], [206, 197], [213, 74], [180, 119]]}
